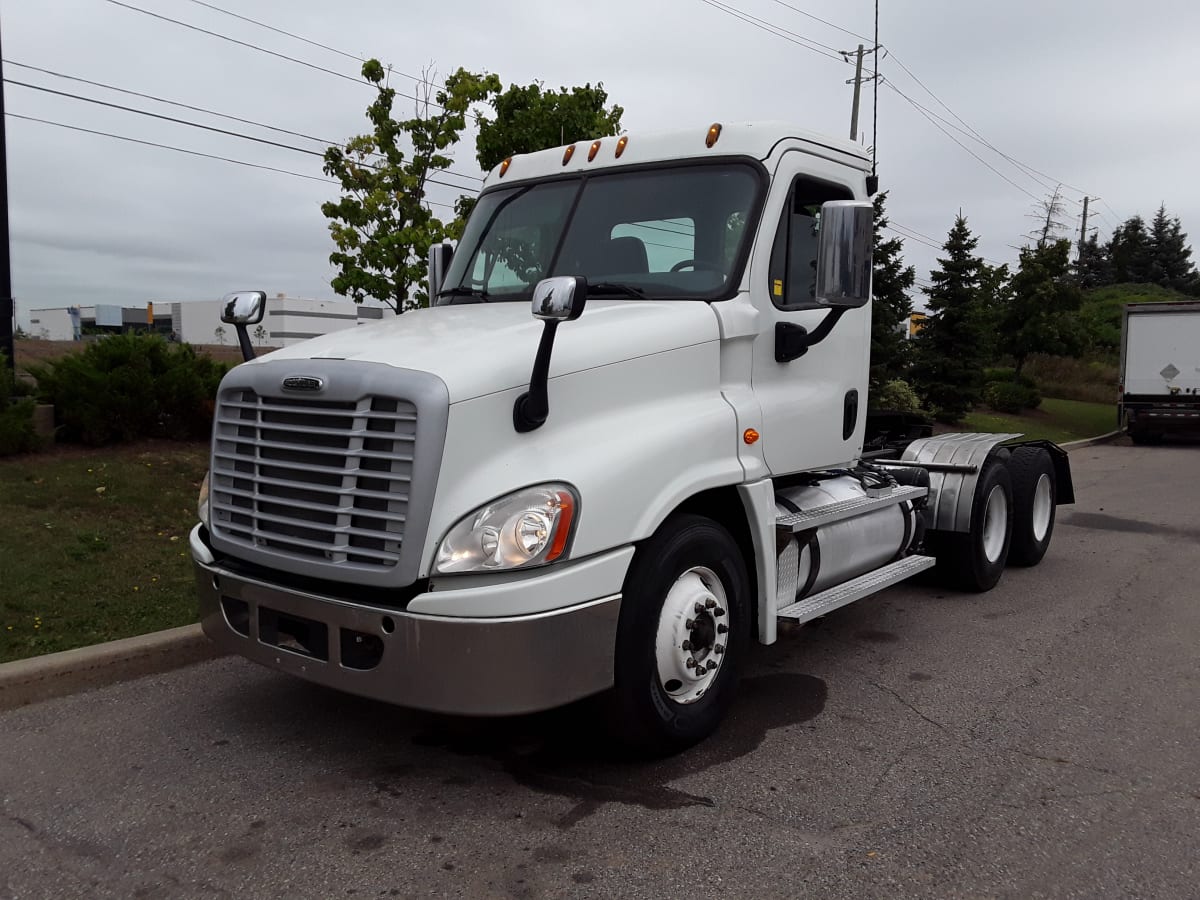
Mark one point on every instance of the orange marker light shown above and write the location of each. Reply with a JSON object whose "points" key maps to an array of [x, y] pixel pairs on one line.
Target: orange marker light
{"points": [[566, 513], [750, 436], [568, 153], [714, 132], [595, 149], [621, 145], [504, 166]]}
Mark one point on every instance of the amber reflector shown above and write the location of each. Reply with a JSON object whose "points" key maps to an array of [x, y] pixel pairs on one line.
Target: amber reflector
{"points": [[750, 436], [714, 132], [621, 146], [568, 153], [504, 166], [595, 149]]}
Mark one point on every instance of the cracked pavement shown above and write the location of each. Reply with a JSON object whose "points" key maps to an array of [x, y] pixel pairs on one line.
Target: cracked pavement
{"points": [[1036, 741]]}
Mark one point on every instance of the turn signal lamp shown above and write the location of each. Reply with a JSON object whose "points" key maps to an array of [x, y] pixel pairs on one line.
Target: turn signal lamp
{"points": [[714, 132], [750, 436]]}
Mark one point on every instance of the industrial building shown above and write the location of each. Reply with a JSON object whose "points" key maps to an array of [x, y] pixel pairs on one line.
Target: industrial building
{"points": [[288, 320]]}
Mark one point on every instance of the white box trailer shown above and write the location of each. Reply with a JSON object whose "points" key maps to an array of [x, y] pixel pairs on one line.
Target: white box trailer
{"points": [[1160, 369]]}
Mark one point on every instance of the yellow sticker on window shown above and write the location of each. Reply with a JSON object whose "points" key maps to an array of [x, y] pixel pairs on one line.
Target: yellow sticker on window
{"points": [[777, 287]]}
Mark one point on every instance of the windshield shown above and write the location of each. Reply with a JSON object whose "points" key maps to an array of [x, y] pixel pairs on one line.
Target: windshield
{"points": [[671, 232]]}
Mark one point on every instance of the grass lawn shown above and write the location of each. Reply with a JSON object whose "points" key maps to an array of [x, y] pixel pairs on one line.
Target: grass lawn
{"points": [[1056, 420], [94, 544]]}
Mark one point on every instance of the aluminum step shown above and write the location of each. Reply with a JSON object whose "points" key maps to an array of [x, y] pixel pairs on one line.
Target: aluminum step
{"points": [[855, 589], [847, 509]]}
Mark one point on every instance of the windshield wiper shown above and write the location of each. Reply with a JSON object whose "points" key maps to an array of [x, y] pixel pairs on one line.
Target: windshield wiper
{"points": [[477, 293], [615, 287]]}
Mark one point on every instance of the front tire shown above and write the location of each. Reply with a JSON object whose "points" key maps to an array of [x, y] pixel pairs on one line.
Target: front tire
{"points": [[683, 632]]}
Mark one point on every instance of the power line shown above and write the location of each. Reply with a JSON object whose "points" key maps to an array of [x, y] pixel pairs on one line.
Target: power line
{"points": [[763, 25], [239, 162], [284, 56], [832, 25], [199, 109], [212, 128]]}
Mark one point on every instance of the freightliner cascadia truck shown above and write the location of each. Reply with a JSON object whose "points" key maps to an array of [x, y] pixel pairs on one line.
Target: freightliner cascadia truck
{"points": [[628, 437]]}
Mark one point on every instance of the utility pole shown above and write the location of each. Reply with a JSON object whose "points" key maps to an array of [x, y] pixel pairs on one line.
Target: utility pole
{"points": [[857, 92], [6, 298], [1083, 226]]}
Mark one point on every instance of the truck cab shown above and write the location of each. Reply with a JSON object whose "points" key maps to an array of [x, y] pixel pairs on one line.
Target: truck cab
{"points": [[625, 439]]}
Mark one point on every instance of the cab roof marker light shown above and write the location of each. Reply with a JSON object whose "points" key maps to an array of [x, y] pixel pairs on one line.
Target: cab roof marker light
{"points": [[595, 149], [568, 153], [504, 166], [714, 132], [621, 145]]}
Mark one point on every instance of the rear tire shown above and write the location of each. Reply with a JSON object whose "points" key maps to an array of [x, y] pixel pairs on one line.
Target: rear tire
{"points": [[1035, 487], [975, 561], [1146, 438], [661, 704]]}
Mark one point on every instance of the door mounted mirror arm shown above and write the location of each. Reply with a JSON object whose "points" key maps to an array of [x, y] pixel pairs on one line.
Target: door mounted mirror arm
{"points": [[792, 341], [555, 300]]}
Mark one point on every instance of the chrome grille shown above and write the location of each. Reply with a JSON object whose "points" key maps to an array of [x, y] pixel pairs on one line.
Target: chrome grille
{"points": [[318, 480]]}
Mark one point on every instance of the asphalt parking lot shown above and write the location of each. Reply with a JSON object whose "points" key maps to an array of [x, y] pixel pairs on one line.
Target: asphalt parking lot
{"points": [[1037, 741]]}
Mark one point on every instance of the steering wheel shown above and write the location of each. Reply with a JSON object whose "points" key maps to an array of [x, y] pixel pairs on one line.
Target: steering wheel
{"points": [[695, 264]]}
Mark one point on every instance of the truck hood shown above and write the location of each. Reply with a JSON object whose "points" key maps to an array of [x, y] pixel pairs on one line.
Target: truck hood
{"points": [[482, 348]]}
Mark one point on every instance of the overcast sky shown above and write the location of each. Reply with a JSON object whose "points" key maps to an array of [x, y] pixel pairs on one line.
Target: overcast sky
{"points": [[1101, 95]]}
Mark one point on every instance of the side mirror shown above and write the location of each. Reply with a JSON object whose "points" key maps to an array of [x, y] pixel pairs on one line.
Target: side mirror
{"points": [[560, 299], [555, 300], [844, 244], [439, 263], [243, 307]]}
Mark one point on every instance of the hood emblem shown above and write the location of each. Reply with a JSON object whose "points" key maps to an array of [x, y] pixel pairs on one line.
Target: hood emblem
{"points": [[308, 383]]}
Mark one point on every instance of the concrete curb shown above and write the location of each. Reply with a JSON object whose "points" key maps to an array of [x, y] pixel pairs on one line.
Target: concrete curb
{"points": [[1088, 442], [72, 671]]}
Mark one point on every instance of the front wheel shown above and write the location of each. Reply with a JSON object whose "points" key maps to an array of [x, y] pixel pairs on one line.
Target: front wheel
{"points": [[684, 628]]}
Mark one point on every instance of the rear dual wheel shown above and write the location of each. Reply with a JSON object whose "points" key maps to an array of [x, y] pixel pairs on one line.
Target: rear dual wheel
{"points": [[975, 560]]}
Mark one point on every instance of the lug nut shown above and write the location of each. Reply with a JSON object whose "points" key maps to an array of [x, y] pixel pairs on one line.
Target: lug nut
{"points": [[710, 665], [690, 624], [717, 613], [721, 629], [687, 645], [690, 663], [719, 649], [710, 603], [699, 608]]}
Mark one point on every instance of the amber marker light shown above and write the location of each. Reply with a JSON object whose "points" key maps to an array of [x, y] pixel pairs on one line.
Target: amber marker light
{"points": [[566, 513], [568, 153], [504, 166], [750, 436], [621, 145], [595, 149], [714, 132]]}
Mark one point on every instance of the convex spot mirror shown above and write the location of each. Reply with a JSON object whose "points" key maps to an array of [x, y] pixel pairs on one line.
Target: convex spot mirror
{"points": [[560, 299], [844, 244], [243, 307]]}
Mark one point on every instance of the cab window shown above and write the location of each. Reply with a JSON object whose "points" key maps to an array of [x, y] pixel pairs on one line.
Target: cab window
{"points": [[793, 269]]}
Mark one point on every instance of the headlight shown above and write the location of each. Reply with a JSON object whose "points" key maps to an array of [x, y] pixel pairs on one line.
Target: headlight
{"points": [[530, 527], [202, 501]]}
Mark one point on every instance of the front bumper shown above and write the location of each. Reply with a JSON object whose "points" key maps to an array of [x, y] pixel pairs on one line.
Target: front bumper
{"points": [[468, 666]]}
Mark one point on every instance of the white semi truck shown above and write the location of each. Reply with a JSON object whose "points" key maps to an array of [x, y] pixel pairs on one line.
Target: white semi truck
{"points": [[1160, 370], [472, 509]]}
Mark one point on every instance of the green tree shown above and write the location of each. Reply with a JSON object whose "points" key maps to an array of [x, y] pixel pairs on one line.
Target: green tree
{"points": [[948, 364], [892, 282], [219, 334], [1170, 256], [1128, 252], [995, 289], [1040, 316], [1092, 268], [382, 227]]}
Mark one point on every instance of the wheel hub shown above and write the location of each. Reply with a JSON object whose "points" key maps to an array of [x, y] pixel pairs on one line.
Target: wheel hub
{"points": [[690, 642]]}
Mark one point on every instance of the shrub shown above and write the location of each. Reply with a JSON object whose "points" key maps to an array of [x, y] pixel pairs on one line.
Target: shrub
{"points": [[16, 415], [1010, 396], [896, 395], [1002, 373], [131, 386], [1066, 378]]}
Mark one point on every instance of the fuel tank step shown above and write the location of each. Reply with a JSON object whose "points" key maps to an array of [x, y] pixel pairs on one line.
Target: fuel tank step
{"points": [[848, 509], [855, 589]]}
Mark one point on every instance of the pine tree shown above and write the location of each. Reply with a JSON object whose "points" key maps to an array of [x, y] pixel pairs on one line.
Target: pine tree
{"points": [[892, 305], [1128, 251], [1170, 263], [1093, 267], [949, 350]]}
